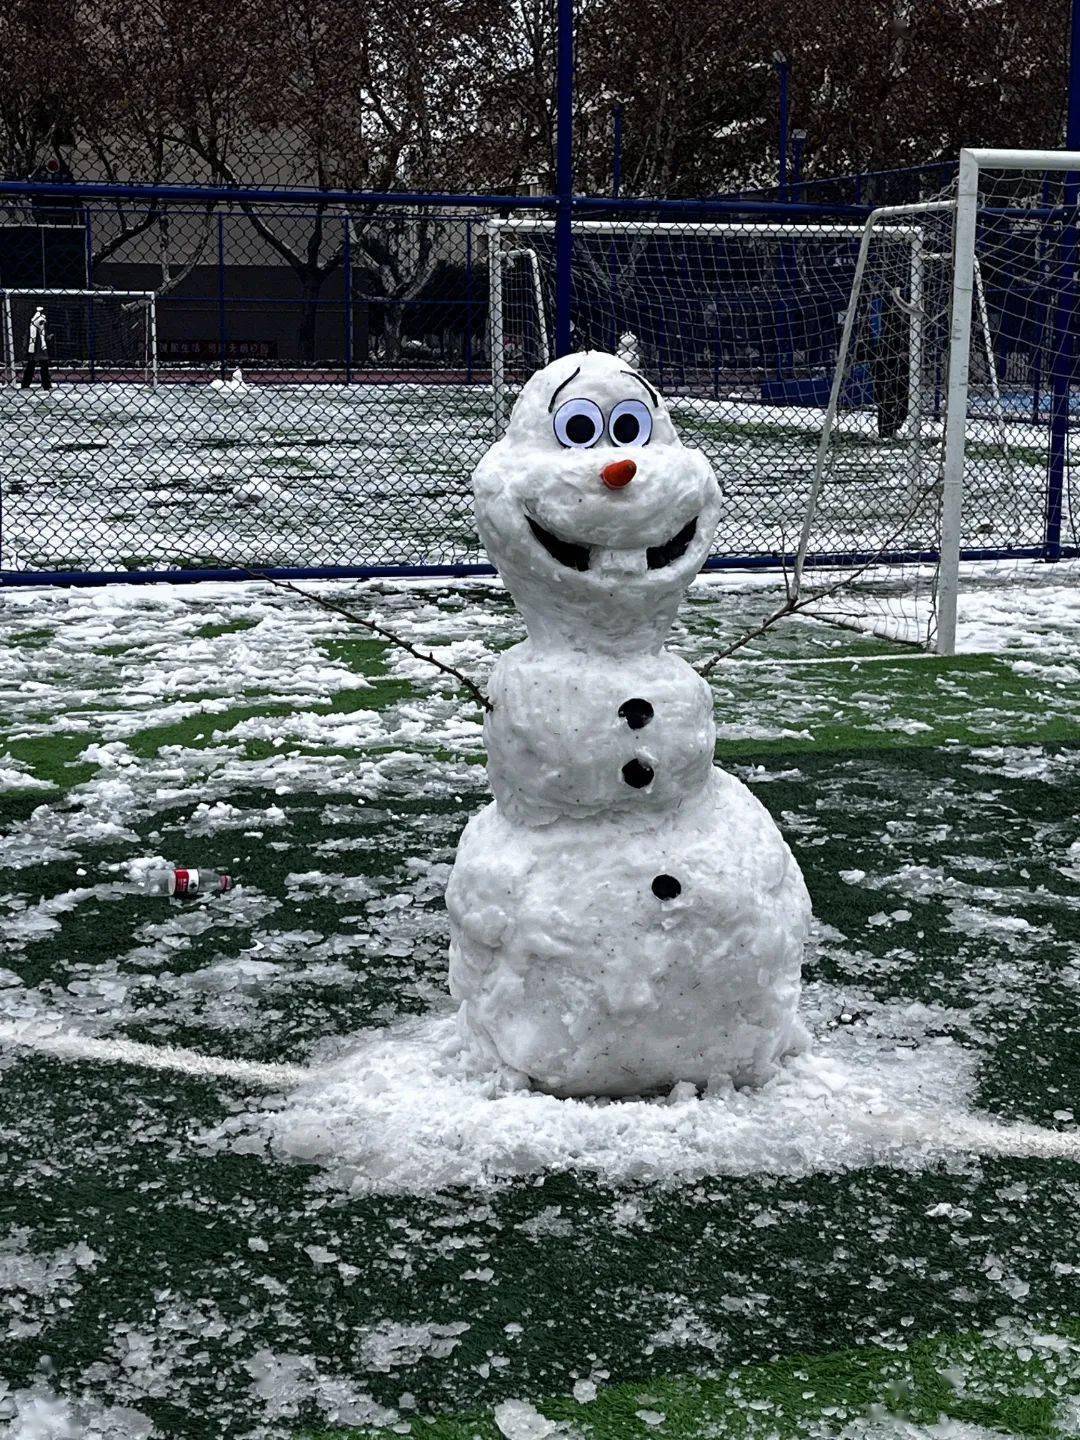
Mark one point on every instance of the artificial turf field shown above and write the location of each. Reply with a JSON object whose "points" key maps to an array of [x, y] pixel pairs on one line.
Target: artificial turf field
{"points": [[180, 1255]]}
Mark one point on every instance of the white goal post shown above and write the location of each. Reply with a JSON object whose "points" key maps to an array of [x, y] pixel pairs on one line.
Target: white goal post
{"points": [[96, 333]]}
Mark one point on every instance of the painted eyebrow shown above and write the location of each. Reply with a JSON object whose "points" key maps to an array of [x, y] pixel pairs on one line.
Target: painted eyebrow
{"points": [[642, 381], [563, 386]]}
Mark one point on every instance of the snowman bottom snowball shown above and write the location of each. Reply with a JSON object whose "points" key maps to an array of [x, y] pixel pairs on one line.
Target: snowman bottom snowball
{"points": [[624, 955]]}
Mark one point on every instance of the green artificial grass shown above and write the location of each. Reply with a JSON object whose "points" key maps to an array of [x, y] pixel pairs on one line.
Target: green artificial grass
{"points": [[1018, 1389], [878, 705], [896, 704], [821, 1297]]}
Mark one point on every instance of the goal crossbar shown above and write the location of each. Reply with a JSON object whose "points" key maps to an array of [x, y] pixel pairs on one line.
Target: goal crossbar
{"points": [[148, 295], [747, 228]]}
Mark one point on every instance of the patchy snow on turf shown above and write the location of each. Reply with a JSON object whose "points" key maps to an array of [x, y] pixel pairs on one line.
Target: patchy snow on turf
{"points": [[38, 1413], [37, 1287], [15, 775], [520, 1420], [1020, 607], [893, 1427], [391, 1346], [287, 1383], [404, 1111]]}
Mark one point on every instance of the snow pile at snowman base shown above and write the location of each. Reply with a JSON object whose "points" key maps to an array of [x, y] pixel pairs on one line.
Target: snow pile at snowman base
{"points": [[409, 1111]]}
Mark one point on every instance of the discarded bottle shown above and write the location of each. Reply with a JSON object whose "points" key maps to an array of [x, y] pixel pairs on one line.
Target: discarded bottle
{"points": [[187, 882]]}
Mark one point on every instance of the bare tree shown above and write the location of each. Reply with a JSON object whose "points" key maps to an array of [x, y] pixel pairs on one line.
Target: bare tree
{"points": [[42, 97], [928, 78]]}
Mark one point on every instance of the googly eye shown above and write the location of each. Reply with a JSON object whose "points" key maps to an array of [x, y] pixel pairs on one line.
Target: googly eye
{"points": [[578, 424], [630, 423]]}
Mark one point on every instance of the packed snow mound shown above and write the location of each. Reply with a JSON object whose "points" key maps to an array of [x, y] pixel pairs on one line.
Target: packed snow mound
{"points": [[409, 1111], [233, 385]]}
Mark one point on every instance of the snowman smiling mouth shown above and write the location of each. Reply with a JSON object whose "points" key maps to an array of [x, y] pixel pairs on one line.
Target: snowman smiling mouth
{"points": [[576, 556]]}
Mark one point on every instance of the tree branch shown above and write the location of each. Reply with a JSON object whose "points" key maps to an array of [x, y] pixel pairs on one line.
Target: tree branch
{"points": [[463, 680]]}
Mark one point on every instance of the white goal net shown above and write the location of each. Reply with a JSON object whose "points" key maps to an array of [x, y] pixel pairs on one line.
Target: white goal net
{"points": [[1008, 491], [869, 548], [89, 335]]}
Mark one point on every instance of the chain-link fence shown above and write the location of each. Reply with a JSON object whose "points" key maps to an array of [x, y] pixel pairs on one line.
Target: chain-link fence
{"points": [[255, 384]]}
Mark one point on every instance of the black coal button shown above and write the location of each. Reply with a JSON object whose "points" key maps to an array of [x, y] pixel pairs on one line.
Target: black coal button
{"points": [[636, 773], [636, 713], [666, 887]]}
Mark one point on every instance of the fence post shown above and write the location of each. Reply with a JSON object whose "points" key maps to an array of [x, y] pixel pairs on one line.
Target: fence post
{"points": [[1062, 365], [1038, 362], [1072, 125], [616, 161], [346, 255], [89, 228], [495, 328], [783, 69], [9, 341], [223, 333], [564, 176], [916, 347], [468, 302], [152, 338], [1063, 362]]}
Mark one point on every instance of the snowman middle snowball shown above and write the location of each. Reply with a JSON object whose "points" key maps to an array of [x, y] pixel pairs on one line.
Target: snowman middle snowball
{"points": [[625, 915]]}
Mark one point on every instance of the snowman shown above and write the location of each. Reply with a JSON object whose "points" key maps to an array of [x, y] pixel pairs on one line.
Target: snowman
{"points": [[625, 916]]}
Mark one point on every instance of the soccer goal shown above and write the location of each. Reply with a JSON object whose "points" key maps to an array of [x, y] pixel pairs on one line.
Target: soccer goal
{"points": [[869, 548], [106, 335], [991, 496]]}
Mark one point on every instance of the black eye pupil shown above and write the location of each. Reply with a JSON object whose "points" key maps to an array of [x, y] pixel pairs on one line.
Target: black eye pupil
{"points": [[580, 429], [626, 429]]}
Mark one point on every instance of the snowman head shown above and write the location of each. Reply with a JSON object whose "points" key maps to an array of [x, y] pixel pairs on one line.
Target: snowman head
{"points": [[594, 512]]}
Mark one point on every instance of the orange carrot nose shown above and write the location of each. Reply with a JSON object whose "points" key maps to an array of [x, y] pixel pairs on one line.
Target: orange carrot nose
{"points": [[618, 474]]}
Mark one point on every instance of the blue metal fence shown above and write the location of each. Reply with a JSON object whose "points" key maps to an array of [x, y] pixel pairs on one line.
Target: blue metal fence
{"points": [[366, 378]]}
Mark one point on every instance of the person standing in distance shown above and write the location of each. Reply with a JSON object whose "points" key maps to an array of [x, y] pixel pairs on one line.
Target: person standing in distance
{"points": [[37, 352]]}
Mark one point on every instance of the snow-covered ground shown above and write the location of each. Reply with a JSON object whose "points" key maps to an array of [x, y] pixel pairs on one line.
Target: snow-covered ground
{"points": [[226, 699], [241, 727]]}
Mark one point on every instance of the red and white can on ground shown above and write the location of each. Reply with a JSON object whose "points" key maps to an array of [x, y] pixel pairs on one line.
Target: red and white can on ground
{"points": [[187, 881]]}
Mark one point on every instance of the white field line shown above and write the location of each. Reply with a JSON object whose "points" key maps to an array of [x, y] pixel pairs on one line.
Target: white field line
{"points": [[46, 1039], [970, 1134], [779, 662], [941, 1131]]}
